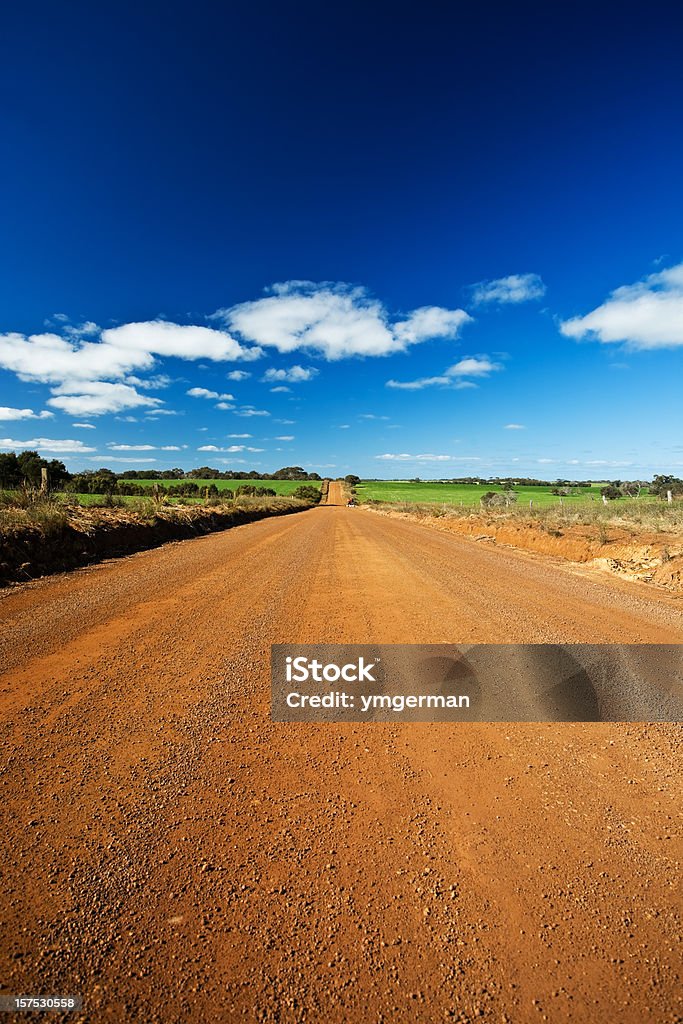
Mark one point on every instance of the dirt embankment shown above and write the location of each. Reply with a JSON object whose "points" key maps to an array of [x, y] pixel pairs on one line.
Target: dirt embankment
{"points": [[648, 557], [68, 538]]}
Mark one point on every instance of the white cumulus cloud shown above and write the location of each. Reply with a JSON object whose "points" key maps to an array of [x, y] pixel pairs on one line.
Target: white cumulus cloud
{"points": [[205, 393], [509, 290], [8, 413], [645, 315], [131, 447], [454, 377], [230, 448], [46, 444], [184, 341], [94, 398], [336, 320], [87, 370], [430, 322], [293, 375], [405, 457]]}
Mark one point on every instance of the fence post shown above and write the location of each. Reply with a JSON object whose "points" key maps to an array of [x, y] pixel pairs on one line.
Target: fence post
{"points": [[45, 480], [669, 497], [604, 499], [531, 502]]}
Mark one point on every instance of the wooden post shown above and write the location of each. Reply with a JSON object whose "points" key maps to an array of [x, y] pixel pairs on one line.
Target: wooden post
{"points": [[669, 496], [531, 502], [45, 480], [604, 499]]}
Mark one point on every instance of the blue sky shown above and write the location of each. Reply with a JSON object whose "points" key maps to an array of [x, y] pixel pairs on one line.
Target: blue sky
{"points": [[440, 242]]}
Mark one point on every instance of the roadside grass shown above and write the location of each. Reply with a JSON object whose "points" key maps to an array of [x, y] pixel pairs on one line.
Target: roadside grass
{"points": [[51, 512], [29, 508], [634, 515]]}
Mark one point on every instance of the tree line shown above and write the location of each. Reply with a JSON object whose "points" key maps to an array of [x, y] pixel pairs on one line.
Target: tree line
{"points": [[26, 468]]}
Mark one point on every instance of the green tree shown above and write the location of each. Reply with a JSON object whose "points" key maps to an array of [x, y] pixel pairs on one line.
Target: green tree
{"points": [[663, 483], [30, 465], [10, 471]]}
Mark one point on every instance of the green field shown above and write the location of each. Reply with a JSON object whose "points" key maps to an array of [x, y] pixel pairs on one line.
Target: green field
{"points": [[466, 494]]}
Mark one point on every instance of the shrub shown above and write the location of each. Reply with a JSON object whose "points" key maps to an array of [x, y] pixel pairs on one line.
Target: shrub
{"points": [[307, 493]]}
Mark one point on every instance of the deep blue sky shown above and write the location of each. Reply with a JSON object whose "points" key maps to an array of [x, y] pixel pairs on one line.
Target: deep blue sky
{"points": [[164, 161]]}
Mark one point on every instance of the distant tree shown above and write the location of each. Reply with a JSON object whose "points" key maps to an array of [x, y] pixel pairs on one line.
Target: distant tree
{"points": [[352, 479], [290, 473], [10, 470], [610, 491], [58, 474], [661, 484], [30, 464]]}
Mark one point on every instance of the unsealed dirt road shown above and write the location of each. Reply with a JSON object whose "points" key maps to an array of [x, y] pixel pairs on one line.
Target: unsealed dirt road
{"points": [[172, 855]]}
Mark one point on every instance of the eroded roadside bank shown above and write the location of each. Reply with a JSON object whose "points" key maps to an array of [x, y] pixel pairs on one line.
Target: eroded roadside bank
{"points": [[646, 556]]}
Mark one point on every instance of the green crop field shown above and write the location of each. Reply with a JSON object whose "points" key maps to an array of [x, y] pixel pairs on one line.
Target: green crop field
{"points": [[427, 492]]}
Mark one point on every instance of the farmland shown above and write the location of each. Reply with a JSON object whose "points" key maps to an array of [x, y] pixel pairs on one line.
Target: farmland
{"points": [[428, 492], [582, 506]]}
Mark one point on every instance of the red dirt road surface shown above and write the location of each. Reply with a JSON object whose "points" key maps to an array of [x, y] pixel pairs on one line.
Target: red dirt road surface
{"points": [[170, 854]]}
